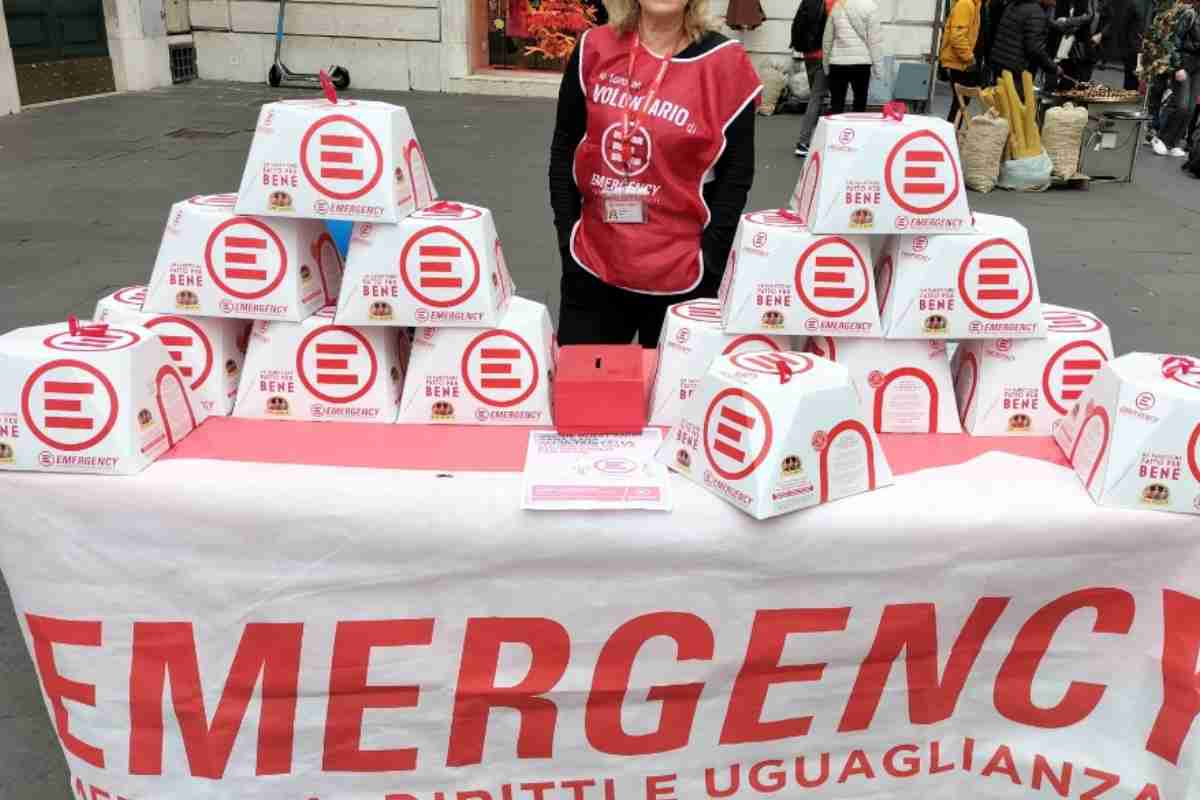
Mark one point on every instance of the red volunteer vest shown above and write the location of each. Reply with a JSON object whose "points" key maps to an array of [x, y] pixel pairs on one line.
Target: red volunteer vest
{"points": [[680, 136]]}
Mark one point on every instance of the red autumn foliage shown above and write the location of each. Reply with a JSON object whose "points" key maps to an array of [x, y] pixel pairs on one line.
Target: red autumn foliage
{"points": [[555, 24]]}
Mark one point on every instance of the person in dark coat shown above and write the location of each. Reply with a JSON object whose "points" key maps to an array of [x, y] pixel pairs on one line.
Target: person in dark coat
{"points": [[1020, 43], [808, 31], [1123, 33], [1084, 20]]}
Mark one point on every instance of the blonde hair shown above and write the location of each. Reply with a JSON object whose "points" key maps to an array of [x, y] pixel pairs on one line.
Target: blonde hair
{"points": [[697, 21]]}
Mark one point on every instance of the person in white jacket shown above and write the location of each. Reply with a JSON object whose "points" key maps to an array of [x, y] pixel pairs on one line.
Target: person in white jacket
{"points": [[853, 51]]}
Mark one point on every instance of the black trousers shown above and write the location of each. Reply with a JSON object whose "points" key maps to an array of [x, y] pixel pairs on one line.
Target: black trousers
{"points": [[960, 78], [848, 76], [594, 312]]}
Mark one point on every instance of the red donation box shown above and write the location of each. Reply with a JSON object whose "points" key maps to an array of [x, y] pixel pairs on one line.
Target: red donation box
{"points": [[600, 389]]}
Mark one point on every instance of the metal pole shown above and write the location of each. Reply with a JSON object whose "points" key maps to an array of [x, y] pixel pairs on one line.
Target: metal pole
{"points": [[934, 37]]}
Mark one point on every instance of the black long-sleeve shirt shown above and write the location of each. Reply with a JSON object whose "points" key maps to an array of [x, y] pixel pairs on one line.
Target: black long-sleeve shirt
{"points": [[725, 195]]}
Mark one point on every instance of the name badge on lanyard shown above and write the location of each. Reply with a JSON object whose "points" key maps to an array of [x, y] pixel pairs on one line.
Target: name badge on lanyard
{"points": [[628, 205]]}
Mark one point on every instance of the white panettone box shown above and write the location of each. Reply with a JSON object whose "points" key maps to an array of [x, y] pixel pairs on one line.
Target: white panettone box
{"points": [[500, 376], [90, 397], [441, 266], [776, 432], [320, 371], [207, 351], [868, 173], [976, 286], [1023, 386], [691, 338], [354, 160], [215, 263], [904, 386], [783, 279], [1133, 437]]}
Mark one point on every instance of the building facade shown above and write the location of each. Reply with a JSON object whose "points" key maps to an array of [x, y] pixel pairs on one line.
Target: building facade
{"points": [[476, 46]]}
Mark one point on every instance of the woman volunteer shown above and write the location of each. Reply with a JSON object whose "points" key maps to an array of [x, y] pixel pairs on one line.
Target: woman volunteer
{"points": [[652, 159]]}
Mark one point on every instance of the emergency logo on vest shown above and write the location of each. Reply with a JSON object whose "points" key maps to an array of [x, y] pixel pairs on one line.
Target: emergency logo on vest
{"points": [[737, 434], [336, 364], [188, 346], [341, 158], [69, 405], [245, 258], [500, 369], [1069, 372], [440, 267], [626, 153], [921, 173], [831, 278], [995, 282]]}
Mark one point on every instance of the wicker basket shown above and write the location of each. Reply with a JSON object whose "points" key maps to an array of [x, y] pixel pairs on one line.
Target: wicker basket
{"points": [[982, 144], [1062, 134]]}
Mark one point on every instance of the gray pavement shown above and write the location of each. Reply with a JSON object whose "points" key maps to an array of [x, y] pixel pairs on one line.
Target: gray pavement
{"points": [[87, 186]]}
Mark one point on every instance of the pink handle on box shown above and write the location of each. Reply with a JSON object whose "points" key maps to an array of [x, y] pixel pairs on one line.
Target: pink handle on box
{"points": [[95, 329], [791, 216], [1174, 366], [785, 370], [327, 87], [895, 109]]}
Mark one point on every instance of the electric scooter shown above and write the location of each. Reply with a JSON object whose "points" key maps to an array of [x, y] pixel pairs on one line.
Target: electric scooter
{"points": [[280, 75]]}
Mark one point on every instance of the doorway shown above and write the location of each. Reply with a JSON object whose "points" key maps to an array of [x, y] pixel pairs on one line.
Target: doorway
{"points": [[59, 48]]}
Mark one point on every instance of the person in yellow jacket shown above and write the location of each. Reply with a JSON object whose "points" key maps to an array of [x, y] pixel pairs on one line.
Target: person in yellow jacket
{"points": [[958, 47]]}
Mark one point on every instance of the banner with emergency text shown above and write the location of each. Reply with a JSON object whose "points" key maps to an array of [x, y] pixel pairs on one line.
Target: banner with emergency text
{"points": [[276, 632]]}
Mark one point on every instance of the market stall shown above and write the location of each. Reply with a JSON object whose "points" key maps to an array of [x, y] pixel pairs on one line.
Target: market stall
{"points": [[395, 627]]}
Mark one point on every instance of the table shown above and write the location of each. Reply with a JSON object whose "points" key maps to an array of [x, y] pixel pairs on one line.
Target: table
{"points": [[288, 611]]}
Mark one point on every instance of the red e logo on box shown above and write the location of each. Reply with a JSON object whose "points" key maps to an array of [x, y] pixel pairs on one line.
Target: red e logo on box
{"points": [[1069, 371], [336, 364], [832, 278], [499, 369], [1193, 452], [737, 433], [1062, 321], [187, 345], [131, 296], [751, 342], [245, 258], [439, 267], [699, 311], [340, 157], [92, 341], [995, 280], [921, 174], [69, 405], [769, 363]]}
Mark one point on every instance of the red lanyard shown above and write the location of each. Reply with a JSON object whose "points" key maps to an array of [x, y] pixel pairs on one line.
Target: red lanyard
{"points": [[629, 127]]}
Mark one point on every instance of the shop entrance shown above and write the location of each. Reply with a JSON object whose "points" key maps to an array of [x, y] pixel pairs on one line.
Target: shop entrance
{"points": [[59, 47], [532, 35]]}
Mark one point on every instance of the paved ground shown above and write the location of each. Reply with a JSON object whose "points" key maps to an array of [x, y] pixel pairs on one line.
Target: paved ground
{"points": [[87, 187]]}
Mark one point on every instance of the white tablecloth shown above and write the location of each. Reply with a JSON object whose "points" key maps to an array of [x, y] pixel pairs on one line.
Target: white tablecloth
{"points": [[322, 578]]}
